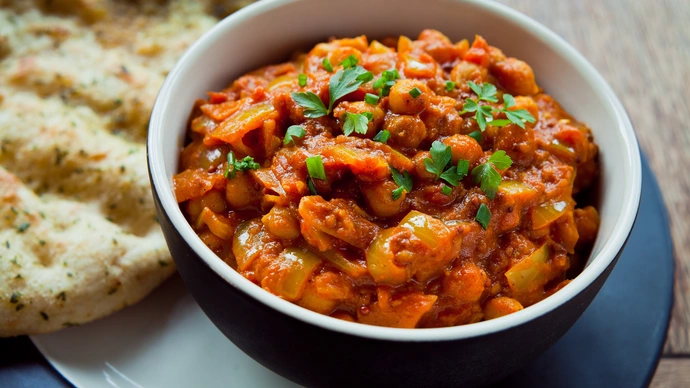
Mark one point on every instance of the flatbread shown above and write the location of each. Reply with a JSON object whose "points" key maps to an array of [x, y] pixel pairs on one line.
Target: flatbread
{"points": [[79, 238]]}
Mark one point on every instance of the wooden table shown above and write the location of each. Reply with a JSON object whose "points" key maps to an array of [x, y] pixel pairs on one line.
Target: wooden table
{"points": [[642, 48]]}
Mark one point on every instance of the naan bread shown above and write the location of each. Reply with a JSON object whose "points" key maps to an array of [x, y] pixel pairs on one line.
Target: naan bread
{"points": [[79, 238]]}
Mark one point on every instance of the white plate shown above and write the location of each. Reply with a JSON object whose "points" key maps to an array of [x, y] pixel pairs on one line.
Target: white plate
{"points": [[164, 341]]}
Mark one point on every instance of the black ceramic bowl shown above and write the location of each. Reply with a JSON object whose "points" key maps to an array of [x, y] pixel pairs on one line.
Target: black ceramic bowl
{"points": [[316, 350]]}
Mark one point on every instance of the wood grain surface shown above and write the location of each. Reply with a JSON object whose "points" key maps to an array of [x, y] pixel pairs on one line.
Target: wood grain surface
{"points": [[642, 48]]}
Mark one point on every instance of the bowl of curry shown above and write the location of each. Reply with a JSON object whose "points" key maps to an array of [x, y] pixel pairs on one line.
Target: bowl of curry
{"points": [[420, 201]]}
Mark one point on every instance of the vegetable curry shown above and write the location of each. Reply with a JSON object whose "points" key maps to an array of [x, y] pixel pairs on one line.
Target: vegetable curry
{"points": [[401, 183]]}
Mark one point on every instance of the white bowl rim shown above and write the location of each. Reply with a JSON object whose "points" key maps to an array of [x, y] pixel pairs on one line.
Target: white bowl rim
{"points": [[598, 265]]}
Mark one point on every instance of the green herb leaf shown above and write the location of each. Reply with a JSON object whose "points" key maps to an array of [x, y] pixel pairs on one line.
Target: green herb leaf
{"points": [[23, 227], [450, 85], [365, 77], [415, 92], [230, 168], [481, 121], [486, 92], [403, 180], [368, 115], [234, 165], [519, 117], [487, 175], [447, 190], [350, 61], [470, 106], [327, 65], [508, 101], [440, 156], [371, 99], [483, 115], [386, 81], [345, 82], [315, 167], [312, 187], [312, 104], [483, 216], [302, 79], [382, 137], [500, 123], [501, 160], [292, 132], [452, 176], [476, 135], [355, 122]]}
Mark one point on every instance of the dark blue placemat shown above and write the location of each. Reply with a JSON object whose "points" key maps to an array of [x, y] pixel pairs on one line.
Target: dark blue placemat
{"points": [[616, 343]]}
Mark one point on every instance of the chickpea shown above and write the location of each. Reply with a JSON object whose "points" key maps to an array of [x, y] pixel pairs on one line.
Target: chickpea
{"points": [[495, 55], [213, 199], [402, 102], [515, 76], [464, 147], [518, 143], [359, 107], [282, 223], [337, 56], [406, 131], [468, 71], [466, 283], [419, 166], [241, 191], [379, 196], [501, 306]]}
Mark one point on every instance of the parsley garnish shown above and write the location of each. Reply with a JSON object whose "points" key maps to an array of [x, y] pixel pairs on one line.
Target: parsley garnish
{"points": [[327, 65], [292, 132], [450, 85], [350, 61], [441, 155], [312, 104], [23, 227], [371, 99], [302, 79], [486, 92], [356, 122], [403, 180], [454, 174], [484, 113], [386, 82], [517, 117], [247, 163], [483, 216], [382, 137], [488, 176], [341, 84]]}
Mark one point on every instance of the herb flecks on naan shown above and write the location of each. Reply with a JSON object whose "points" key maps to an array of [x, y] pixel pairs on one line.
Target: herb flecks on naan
{"points": [[78, 234]]}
